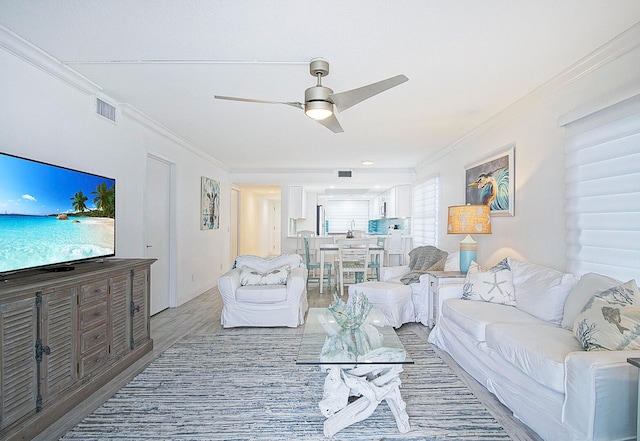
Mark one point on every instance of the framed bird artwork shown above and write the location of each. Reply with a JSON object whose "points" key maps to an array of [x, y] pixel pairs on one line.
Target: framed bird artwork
{"points": [[491, 182]]}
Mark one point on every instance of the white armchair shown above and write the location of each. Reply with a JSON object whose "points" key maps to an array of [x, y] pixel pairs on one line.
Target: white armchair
{"points": [[253, 293], [420, 291]]}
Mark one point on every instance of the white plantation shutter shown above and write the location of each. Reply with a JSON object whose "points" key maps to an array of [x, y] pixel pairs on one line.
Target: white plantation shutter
{"points": [[603, 191], [424, 219]]}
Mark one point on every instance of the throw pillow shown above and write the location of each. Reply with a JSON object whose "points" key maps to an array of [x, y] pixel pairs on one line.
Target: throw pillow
{"points": [[494, 285], [276, 276], [453, 262], [249, 276], [611, 320], [588, 286], [541, 291]]}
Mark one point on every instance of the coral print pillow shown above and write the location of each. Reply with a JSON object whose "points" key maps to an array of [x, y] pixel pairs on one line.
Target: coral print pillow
{"points": [[611, 320], [276, 276], [494, 285]]}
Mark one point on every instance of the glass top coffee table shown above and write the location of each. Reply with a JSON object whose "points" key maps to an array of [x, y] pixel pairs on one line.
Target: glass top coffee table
{"points": [[363, 367]]}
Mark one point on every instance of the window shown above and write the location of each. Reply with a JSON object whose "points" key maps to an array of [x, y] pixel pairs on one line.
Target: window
{"points": [[603, 191], [424, 219], [347, 215]]}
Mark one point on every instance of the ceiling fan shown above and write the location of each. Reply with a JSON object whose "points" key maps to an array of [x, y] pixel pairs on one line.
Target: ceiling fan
{"points": [[319, 100]]}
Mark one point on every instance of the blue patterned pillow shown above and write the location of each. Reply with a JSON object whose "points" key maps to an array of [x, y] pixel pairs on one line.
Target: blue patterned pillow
{"points": [[611, 320], [494, 285]]}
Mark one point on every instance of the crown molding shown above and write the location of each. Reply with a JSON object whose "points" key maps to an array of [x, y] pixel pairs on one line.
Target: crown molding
{"points": [[21, 48], [605, 54], [135, 115]]}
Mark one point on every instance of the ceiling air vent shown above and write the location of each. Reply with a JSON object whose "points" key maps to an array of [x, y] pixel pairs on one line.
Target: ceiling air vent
{"points": [[344, 173], [106, 110]]}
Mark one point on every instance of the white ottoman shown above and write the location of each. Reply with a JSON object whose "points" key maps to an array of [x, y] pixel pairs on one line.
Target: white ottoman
{"points": [[394, 299]]}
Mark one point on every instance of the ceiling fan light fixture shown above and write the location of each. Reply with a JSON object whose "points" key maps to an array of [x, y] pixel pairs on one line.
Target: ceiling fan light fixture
{"points": [[318, 110]]}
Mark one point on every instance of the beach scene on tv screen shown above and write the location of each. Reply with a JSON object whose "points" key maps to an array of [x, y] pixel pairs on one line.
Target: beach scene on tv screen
{"points": [[51, 215]]}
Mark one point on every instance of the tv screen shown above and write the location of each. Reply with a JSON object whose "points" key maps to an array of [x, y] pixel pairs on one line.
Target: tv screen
{"points": [[51, 215]]}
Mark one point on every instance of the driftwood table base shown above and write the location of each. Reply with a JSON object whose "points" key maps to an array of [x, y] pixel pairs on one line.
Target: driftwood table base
{"points": [[372, 384]]}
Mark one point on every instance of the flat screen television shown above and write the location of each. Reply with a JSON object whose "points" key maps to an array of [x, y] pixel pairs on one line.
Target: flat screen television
{"points": [[52, 216]]}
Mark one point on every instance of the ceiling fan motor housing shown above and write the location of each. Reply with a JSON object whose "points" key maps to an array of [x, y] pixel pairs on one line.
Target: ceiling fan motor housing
{"points": [[316, 102], [317, 93]]}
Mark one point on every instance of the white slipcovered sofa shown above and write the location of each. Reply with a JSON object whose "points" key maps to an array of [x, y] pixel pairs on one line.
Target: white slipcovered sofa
{"points": [[527, 354], [264, 292]]}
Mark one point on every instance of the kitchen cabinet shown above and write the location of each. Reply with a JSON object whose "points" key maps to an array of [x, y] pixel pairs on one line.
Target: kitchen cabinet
{"points": [[297, 203], [66, 334], [397, 200]]}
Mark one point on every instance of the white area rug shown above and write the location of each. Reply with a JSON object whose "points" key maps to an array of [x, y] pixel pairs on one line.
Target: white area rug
{"points": [[228, 386]]}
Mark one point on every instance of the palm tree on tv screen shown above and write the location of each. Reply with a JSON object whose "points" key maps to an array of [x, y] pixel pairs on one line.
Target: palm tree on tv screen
{"points": [[78, 201], [105, 199]]}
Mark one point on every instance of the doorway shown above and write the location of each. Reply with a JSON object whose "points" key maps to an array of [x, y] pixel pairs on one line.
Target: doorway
{"points": [[235, 226], [258, 219], [159, 235]]}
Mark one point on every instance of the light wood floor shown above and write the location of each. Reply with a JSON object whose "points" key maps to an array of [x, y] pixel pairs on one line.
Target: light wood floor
{"points": [[202, 316]]}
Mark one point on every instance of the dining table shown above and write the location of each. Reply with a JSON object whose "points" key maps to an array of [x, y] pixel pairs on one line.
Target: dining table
{"points": [[331, 249]]}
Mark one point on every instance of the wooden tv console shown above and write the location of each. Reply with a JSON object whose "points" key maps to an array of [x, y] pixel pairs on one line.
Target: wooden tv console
{"points": [[66, 334]]}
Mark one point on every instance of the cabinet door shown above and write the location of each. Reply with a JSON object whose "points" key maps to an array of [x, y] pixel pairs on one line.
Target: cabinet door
{"points": [[58, 368], [18, 371], [403, 201], [140, 296], [119, 290], [297, 203]]}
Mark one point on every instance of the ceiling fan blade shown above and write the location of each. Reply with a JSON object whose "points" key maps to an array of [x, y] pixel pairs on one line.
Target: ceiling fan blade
{"points": [[331, 123], [344, 100], [249, 100]]}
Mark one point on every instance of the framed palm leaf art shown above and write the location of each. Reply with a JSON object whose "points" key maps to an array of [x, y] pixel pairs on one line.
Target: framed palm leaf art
{"points": [[491, 182]]}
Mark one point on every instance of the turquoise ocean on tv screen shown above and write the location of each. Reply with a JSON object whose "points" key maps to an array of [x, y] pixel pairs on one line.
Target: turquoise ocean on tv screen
{"points": [[29, 241]]}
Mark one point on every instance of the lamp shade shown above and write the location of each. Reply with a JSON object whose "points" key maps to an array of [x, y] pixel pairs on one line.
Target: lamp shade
{"points": [[469, 219]]}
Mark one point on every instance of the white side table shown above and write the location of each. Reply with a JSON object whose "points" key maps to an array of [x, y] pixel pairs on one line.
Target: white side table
{"points": [[438, 280]]}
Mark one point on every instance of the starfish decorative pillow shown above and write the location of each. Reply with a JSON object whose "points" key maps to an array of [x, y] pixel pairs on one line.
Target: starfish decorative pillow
{"points": [[494, 285]]}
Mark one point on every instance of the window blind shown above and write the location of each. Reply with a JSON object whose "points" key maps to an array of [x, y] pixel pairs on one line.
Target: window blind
{"points": [[424, 218], [603, 191], [340, 215]]}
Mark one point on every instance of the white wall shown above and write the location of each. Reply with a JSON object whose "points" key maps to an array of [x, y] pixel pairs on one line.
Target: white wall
{"points": [[537, 231], [50, 120]]}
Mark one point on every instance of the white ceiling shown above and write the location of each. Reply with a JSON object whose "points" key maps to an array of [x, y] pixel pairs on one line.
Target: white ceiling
{"points": [[466, 60]]}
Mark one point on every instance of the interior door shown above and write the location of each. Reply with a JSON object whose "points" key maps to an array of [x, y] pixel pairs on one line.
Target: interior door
{"points": [[234, 226], [158, 230], [274, 227]]}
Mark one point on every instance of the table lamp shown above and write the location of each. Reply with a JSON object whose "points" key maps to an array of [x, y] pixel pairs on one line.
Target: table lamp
{"points": [[468, 219]]}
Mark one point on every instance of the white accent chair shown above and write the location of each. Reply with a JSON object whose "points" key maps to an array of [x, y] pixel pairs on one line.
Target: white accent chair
{"points": [[267, 304], [402, 303]]}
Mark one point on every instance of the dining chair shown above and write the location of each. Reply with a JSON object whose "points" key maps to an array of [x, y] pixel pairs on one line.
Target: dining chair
{"points": [[394, 246], [312, 266], [300, 236], [374, 264], [353, 258]]}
